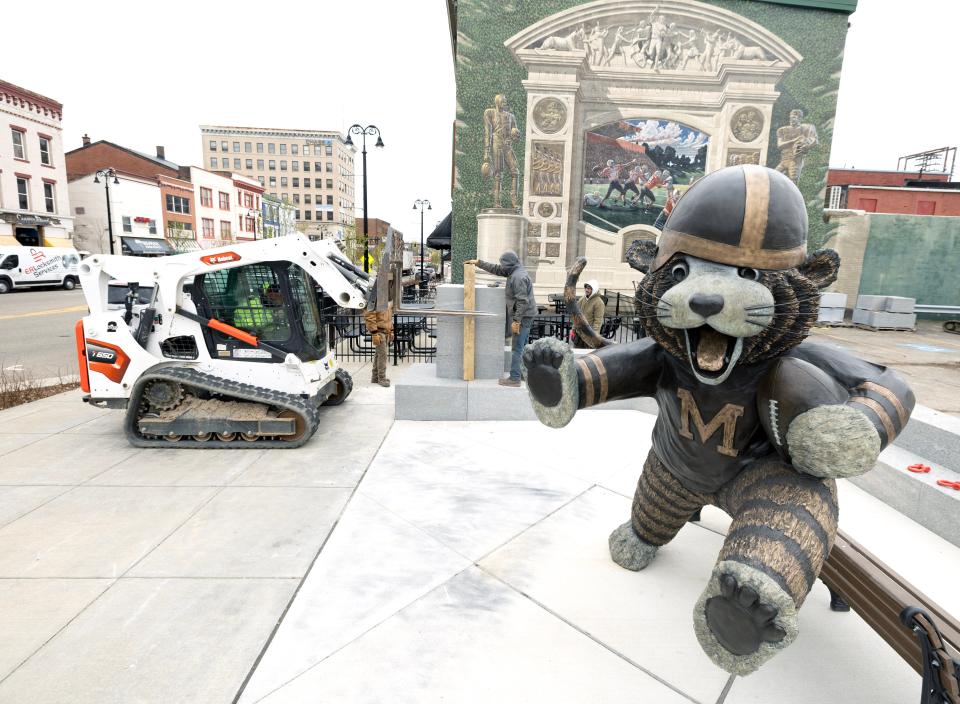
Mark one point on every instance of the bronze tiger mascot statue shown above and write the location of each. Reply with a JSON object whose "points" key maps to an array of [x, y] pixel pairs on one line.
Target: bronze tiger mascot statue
{"points": [[729, 297]]}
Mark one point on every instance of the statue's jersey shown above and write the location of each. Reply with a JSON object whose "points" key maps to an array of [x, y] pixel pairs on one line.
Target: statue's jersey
{"points": [[705, 435]]}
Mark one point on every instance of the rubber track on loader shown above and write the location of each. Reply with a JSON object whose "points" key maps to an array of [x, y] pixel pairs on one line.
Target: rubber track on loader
{"points": [[308, 408]]}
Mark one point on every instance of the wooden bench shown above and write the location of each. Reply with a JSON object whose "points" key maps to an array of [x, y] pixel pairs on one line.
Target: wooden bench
{"points": [[920, 631]]}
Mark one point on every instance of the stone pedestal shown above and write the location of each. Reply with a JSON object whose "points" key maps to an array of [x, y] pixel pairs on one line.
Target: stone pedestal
{"points": [[499, 230], [488, 360]]}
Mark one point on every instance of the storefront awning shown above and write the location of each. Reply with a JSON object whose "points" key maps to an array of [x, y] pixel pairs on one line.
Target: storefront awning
{"points": [[146, 246], [440, 237]]}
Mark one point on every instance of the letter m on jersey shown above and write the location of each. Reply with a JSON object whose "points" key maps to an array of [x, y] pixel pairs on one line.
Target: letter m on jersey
{"points": [[727, 417]]}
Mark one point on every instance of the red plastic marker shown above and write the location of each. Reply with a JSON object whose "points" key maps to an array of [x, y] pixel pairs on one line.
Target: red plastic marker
{"points": [[949, 484], [918, 468]]}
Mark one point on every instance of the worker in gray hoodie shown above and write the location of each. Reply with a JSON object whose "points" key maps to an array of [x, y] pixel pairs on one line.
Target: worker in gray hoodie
{"points": [[521, 306]]}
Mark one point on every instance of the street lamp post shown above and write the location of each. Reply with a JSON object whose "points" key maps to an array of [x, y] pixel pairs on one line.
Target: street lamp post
{"points": [[107, 174], [252, 214], [419, 203], [364, 131]]}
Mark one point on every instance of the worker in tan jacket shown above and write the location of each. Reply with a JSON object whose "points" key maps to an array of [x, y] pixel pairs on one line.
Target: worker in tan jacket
{"points": [[378, 320], [592, 308]]}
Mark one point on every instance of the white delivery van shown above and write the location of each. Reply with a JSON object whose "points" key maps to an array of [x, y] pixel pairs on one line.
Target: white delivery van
{"points": [[38, 266]]}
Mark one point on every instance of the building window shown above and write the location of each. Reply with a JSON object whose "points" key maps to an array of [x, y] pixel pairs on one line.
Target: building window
{"points": [[284, 196], [51, 203], [251, 225], [307, 216], [329, 183], [249, 163], [236, 164], [306, 183], [208, 228], [260, 179], [318, 166], [45, 157], [306, 150], [271, 148], [328, 149], [306, 166], [296, 198], [283, 182], [295, 165], [213, 145], [247, 147], [283, 148], [329, 167], [127, 225], [329, 199], [206, 197], [19, 147], [152, 227], [259, 147], [213, 162], [23, 193], [224, 201], [283, 165], [273, 182], [306, 198], [296, 182], [178, 204], [272, 165], [294, 148], [318, 183], [329, 215], [225, 229], [224, 147], [259, 164], [236, 147], [296, 214], [247, 200]]}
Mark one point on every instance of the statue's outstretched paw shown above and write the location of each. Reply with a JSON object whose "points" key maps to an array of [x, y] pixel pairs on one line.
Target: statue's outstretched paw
{"points": [[628, 550], [743, 618]]}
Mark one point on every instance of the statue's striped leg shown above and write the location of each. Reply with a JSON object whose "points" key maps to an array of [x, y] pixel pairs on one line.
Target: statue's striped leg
{"points": [[784, 524]]}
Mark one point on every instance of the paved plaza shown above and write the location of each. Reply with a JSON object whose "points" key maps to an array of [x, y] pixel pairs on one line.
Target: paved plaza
{"points": [[386, 561]]}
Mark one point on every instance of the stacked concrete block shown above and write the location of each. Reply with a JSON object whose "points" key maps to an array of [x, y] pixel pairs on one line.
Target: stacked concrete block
{"points": [[885, 312], [488, 360], [832, 307]]}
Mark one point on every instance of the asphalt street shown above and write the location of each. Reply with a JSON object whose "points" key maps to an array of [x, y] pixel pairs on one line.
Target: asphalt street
{"points": [[36, 332]]}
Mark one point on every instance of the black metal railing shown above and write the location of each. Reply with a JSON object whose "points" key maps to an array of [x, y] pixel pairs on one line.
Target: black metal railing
{"points": [[414, 336]]}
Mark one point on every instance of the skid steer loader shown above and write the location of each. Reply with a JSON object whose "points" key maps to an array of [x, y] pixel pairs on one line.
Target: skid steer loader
{"points": [[219, 347]]}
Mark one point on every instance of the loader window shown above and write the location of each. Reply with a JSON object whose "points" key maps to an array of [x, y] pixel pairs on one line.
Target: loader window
{"points": [[250, 298], [305, 309]]}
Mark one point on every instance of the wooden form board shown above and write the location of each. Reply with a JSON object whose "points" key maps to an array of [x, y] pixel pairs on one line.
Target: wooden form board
{"points": [[469, 324]]}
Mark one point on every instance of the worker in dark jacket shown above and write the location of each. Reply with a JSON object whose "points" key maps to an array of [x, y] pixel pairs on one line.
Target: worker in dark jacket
{"points": [[521, 306]]}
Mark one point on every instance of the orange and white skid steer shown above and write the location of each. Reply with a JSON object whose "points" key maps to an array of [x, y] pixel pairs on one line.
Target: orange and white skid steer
{"points": [[219, 347]]}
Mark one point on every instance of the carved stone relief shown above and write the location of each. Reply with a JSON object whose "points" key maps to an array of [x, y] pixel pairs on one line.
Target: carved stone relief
{"points": [[533, 248], [550, 115], [654, 41], [553, 230], [553, 249], [545, 210], [746, 124], [735, 157], [546, 169]]}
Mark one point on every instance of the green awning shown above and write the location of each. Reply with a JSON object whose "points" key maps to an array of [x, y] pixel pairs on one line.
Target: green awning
{"points": [[837, 5]]}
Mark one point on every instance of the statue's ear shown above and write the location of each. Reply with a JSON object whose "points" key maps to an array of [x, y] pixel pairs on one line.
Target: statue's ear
{"points": [[641, 255], [821, 267]]}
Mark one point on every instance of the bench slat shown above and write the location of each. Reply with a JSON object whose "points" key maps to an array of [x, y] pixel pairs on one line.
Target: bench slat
{"points": [[879, 594]]}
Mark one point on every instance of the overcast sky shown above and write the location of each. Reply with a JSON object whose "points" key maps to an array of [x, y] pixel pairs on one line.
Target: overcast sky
{"points": [[146, 79]]}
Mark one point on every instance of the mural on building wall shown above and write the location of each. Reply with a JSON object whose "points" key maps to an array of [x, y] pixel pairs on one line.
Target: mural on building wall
{"points": [[633, 168], [550, 91], [499, 132], [795, 140]]}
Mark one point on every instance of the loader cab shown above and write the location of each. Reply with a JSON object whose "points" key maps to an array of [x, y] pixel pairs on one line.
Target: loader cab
{"points": [[272, 300]]}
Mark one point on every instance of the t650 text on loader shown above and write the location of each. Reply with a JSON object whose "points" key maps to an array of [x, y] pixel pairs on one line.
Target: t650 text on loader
{"points": [[219, 347]]}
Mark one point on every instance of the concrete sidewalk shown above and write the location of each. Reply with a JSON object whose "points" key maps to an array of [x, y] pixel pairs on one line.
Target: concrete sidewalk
{"points": [[158, 575], [386, 562]]}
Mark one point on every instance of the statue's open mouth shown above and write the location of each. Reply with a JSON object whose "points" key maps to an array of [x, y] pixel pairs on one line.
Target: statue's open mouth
{"points": [[712, 354]]}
